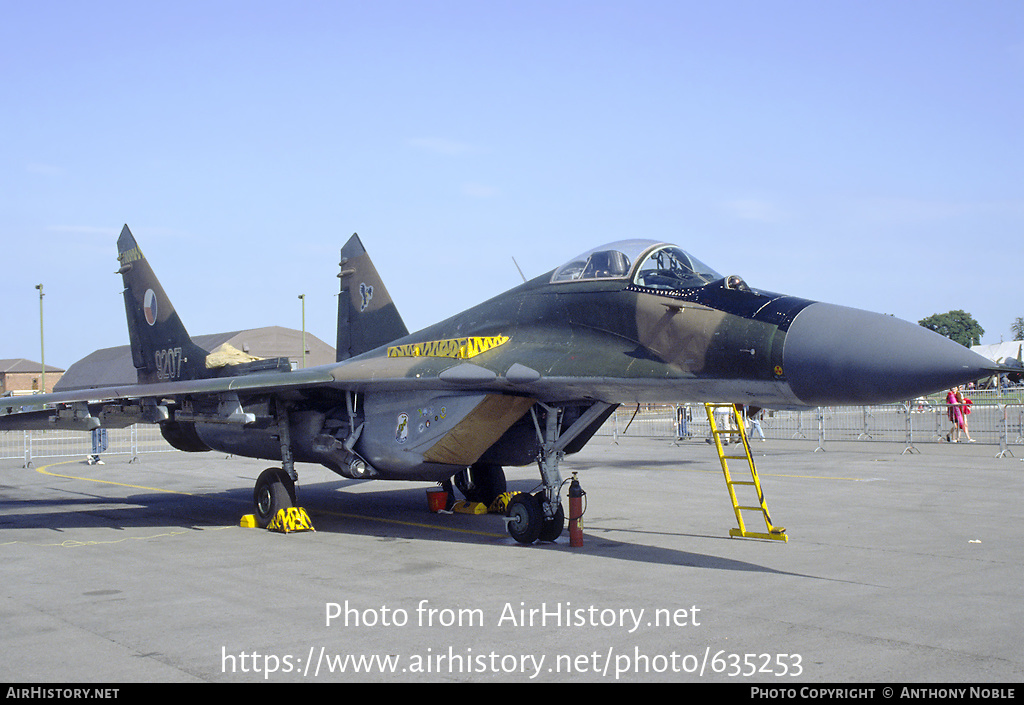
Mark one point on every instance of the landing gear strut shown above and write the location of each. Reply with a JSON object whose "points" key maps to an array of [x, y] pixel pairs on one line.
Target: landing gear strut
{"points": [[275, 487], [540, 516]]}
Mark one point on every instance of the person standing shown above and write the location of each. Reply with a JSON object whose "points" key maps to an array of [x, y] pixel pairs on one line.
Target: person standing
{"points": [[99, 444], [755, 422], [965, 409], [953, 412]]}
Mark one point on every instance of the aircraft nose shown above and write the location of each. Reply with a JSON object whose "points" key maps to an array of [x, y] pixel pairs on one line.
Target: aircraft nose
{"points": [[836, 355]]}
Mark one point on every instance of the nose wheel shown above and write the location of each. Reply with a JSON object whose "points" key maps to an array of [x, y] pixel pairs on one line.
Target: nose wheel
{"points": [[524, 518], [527, 521]]}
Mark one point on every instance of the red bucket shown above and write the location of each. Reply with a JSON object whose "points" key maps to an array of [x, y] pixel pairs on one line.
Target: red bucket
{"points": [[437, 499]]}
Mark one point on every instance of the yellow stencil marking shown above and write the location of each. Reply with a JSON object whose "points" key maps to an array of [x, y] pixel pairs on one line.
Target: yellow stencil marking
{"points": [[456, 348]]}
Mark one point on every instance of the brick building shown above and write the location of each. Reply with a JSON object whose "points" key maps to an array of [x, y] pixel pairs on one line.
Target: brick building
{"points": [[21, 375]]}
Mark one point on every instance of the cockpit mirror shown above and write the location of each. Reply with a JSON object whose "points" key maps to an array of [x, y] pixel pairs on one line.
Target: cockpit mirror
{"points": [[734, 281]]}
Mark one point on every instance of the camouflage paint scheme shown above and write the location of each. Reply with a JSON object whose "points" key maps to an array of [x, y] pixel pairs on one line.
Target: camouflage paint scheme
{"points": [[525, 377]]}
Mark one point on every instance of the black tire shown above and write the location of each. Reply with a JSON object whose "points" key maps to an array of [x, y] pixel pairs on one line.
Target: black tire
{"points": [[553, 526], [274, 491], [483, 483], [526, 518]]}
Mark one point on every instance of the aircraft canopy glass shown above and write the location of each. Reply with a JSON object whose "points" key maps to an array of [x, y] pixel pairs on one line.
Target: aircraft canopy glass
{"points": [[670, 268], [660, 266]]}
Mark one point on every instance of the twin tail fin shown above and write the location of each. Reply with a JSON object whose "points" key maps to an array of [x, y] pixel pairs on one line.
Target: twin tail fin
{"points": [[367, 317], [162, 350]]}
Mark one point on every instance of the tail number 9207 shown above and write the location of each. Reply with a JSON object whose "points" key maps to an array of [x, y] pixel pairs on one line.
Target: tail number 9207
{"points": [[168, 363]]}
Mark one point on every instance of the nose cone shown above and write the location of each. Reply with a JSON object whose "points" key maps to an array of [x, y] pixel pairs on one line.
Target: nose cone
{"points": [[835, 355]]}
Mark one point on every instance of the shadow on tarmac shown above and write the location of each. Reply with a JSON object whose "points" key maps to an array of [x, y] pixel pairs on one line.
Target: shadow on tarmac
{"points": [[340, 507]]}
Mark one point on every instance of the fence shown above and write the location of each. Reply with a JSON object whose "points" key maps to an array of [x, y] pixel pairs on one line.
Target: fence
{"points": [[997, 418], [32, 445]]}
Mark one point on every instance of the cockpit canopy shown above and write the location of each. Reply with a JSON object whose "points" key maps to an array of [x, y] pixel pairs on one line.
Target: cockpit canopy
{"points": [[648, 263]]}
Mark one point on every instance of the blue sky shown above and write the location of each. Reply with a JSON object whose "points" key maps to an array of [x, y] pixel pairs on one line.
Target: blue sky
{"points": [[863, 153]]}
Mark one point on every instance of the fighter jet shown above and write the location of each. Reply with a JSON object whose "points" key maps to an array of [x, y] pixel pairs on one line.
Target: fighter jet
{"points": [[523, 378]]}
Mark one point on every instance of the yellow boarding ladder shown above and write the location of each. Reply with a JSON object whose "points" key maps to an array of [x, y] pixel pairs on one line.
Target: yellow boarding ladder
{"points": [[737, 434]]}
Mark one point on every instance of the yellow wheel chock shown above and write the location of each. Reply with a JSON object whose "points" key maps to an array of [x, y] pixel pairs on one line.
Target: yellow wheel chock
{"points": [[289, 520]]}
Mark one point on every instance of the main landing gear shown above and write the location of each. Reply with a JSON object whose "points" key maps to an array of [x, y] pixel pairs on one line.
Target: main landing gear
{"points": [[483, 482], [540, 516], [275, 487]]}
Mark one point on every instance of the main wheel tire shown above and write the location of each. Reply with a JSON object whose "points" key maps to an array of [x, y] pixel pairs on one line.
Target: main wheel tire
{"points": [[274, 491], [526, 518], [483, 482]]}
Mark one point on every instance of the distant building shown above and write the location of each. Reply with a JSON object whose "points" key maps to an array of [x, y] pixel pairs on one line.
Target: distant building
{"points": [[21, 375], [1006, 352], [114, 366]]}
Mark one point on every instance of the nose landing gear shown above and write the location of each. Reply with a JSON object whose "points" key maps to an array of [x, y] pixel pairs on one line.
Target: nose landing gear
{"points": [[540, 516]]}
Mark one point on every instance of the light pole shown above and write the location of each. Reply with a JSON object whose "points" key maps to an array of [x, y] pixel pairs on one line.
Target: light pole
{"points": [[42, 348], [303, 297]]}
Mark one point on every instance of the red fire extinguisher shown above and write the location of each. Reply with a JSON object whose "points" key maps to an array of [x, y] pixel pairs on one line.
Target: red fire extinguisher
{"points": [[576, 495]]}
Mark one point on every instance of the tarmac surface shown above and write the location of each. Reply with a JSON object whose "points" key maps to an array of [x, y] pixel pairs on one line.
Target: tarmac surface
{"points": [[899, 568]]}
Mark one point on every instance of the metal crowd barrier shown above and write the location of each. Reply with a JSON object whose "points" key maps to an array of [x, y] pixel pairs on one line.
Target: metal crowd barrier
{"points": [[996, 418], [992, 421], [32, 445]]}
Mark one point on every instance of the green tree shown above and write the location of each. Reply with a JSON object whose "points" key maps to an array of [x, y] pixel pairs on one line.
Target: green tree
{"points": [[959, 326], [1017, 328]]}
